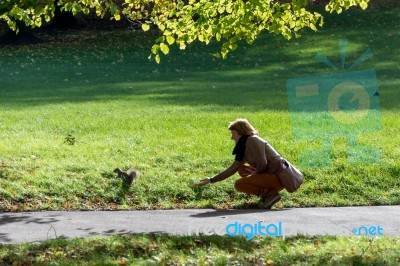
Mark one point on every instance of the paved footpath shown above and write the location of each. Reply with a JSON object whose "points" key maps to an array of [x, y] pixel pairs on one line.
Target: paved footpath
{"points": [[343, 221]]}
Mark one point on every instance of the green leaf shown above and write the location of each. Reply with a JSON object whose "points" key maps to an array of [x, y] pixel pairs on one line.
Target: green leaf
{"points": [[164, 48], [154, 48], [217, 55], [364, 5], [145, 27], [201, 38], [229, 8], [170, 40], [182, 45], [161, 27]]}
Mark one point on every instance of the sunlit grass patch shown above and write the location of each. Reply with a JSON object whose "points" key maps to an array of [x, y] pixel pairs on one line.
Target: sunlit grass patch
{"points": [[72, 113], [206, 250]]}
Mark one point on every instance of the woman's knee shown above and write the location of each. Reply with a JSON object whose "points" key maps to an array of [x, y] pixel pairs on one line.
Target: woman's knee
{"points": [[239, 185]]}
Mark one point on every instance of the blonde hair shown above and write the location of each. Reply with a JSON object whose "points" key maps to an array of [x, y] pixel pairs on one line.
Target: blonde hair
{"points": [[242, 127]]}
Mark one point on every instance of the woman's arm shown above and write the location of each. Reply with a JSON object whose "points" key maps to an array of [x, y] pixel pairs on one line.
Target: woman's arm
{"points": [[231, 170]]}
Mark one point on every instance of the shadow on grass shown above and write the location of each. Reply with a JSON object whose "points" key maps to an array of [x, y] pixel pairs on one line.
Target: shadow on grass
{"points": [[251, 96], [216, 250]]}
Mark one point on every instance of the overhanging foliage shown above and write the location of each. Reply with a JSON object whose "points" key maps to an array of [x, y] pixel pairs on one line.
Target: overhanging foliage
{"points": [[183, 22]]}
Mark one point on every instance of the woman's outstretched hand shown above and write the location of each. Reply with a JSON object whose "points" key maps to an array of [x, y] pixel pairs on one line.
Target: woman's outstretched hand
{"points": [[203, 182]]}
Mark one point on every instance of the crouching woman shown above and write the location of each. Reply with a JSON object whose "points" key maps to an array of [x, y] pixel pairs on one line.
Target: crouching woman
{"points": [[256, 161]]}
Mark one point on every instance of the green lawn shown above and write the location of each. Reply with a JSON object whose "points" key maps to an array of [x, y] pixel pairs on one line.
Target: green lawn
{"points": [[170, 120], [206, 250], [74, 109]]}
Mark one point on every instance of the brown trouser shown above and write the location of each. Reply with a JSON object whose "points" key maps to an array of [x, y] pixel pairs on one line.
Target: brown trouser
{"points": [[257, 184]]}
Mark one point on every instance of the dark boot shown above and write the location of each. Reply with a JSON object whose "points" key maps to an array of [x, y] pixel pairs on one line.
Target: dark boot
{"points": [[269, 198]]}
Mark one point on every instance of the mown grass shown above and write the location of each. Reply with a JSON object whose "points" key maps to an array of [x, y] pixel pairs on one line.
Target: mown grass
{"points": [[206, 250], [169, 120]]}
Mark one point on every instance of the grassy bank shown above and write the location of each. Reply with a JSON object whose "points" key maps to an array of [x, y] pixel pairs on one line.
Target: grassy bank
{"points": [[74, 109], [206, 250]]}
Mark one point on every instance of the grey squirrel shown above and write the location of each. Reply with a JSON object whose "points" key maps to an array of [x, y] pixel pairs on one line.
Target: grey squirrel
{"points": [[129, 176]]}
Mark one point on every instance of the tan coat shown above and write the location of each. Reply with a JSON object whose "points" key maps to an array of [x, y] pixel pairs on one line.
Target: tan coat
{"points": [[259, 154]]}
